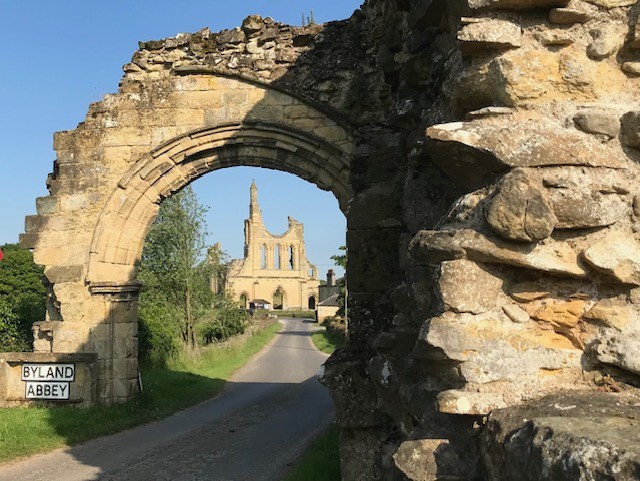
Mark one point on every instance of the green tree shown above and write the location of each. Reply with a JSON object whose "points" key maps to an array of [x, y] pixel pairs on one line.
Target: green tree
{"points": [[22, 298], [341, 261], [174, 267]]}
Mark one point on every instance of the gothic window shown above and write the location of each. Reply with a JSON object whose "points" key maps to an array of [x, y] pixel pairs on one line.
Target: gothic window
{"points": [[263, 256], [276, 257], [291, 252], [243, 300]]}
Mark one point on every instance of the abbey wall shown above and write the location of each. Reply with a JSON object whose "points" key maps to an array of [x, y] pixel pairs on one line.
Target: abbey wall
{"points": [[274, 268], [485, 154]]}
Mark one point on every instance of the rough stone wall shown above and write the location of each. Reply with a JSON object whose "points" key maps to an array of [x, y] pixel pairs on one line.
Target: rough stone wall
{"points": [[490, 149], [517, 121]]}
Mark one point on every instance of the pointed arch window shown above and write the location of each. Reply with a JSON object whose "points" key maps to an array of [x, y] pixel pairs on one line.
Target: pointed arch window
{"points": [[276, 257], [290, 264], [263, 256]]}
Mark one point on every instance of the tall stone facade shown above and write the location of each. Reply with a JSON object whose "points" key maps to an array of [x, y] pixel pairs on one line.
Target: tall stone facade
{"points": [[274, 268], [485, 154]]}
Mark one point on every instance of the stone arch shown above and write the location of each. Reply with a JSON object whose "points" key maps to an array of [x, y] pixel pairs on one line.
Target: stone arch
{"points": [[244, 300], [312, 302], [279, 298], [131, 209]]}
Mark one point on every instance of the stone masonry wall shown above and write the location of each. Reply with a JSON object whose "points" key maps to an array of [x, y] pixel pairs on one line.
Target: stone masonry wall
{"points": [[485, 155]]}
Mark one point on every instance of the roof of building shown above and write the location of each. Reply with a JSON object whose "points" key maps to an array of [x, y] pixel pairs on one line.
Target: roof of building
{"points": [[331, 301], [259, 301]]}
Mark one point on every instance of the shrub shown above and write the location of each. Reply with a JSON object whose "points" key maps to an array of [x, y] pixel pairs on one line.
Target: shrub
{"points": [[223, 324], [158, 337]]}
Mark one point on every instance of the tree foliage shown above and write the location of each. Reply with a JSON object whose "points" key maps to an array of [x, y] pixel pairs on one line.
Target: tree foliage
{"points": [[22, 298], [175, 271]]}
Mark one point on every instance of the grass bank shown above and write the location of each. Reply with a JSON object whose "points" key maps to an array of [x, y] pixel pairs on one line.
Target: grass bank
{"points": [[327, 341], [321, 462], [26, 431]]}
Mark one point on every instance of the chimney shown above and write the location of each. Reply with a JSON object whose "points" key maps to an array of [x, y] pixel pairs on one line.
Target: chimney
{"points": [[331, 278]]}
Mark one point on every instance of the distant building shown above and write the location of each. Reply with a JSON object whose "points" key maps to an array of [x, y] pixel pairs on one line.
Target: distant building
{"points": [[275, 268], [330, 288]]}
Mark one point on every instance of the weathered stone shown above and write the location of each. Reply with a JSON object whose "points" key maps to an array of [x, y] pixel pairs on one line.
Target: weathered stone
{"points": [[433, 247], [618, 256], [519, 210], [516, 313], [469, 151], [489, 350], [515, 4], [560, 313], [527, 291], [612, 3], [596, 121], [489, 35], [554, 38], [252, 25], [481, 290], [568, 16], [470, 403], [489, 112], [605, 43], [234, 36], [428, 460], [614, 314], [620, 349], [584, 197], [573, 436], [632, 68], [630, 130]]}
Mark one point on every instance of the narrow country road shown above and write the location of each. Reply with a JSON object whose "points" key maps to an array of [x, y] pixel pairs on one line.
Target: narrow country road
{"points": [[262, 421]]}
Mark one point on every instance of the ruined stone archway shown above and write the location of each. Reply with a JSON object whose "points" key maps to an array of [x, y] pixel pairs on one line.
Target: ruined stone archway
{"points": [[112, 172], [129, 212]]}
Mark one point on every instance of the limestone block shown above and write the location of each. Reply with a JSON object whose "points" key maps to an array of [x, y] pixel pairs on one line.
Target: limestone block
{"points": [[630, 130], [568, 16], [469, 151], [597, 121], [489, 35], [621, 349], [489, 350], [560, 313], [632, 68], [576, 436], [470, 403], [467, 287], [516, 313], [519, 210], [606, 41], [612, 3], [554, 38], [611, 313], [428, 460], [515, 4], [586, 197], [618, 256], [527, 291], [433, 247]]}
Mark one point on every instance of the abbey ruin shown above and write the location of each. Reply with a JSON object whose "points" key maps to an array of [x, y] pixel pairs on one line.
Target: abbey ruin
{"points": [[274, 268], [485, 154]]}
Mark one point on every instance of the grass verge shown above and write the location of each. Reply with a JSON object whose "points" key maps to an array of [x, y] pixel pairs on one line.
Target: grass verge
{"points": [[327, 341], [321, 462], [26, 431]]}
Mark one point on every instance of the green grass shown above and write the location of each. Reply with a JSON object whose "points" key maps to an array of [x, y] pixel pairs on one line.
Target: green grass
{"points": [[321, 462], [305, 313], [26, 431], [327, 341]]}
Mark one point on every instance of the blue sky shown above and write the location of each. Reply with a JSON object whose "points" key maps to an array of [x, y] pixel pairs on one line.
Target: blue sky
{"points": [[59, 56]]}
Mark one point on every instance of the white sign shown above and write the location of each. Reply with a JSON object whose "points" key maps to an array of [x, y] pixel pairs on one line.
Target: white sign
{"points": [[48, 390], [49, 372]]}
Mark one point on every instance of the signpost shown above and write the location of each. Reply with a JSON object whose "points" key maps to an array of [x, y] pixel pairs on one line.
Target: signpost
{"points": [[48, 381]]}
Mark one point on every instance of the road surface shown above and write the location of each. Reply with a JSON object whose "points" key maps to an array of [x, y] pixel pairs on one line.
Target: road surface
{"points": [[252, 431]]}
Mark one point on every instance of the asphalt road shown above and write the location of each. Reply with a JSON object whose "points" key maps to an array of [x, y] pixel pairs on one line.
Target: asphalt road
{"points": [[252, 431]]}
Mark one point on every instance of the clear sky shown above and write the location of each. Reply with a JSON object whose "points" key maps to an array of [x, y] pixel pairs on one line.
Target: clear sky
{"points": [[57, 57]]}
